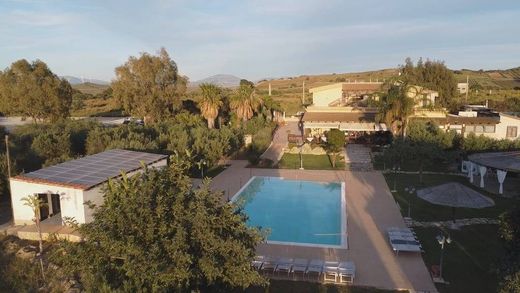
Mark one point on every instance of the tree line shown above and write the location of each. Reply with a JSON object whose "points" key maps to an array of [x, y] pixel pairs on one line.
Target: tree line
{"points": [[147, 86]]}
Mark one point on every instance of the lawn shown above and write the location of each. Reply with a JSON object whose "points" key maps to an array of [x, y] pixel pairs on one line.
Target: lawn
{"points": [[311, 162], [469, 260], [276, 286], [422, 210]]}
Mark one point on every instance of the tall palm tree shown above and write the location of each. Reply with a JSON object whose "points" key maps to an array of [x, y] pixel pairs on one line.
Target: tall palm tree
{"points": [[245, 102], [397, 107], [210, 101]]}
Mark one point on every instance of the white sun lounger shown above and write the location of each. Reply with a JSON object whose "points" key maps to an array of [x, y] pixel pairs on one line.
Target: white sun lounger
{"points": [[346, 272], [269, 265], [299, 266], [284, 265], [315, 267], [257, 262], [330, 271]]}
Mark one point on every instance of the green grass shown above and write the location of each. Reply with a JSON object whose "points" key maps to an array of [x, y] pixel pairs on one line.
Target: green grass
{"points": [[422, 210], [469, 260], [312, 162], [276, 286]]}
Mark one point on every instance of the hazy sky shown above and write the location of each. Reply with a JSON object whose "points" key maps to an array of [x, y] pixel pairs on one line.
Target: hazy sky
{"points": [[257, 39]]}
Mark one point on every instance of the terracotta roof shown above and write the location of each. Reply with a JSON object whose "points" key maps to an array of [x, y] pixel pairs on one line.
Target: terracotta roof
{"points": [[339, 117]]}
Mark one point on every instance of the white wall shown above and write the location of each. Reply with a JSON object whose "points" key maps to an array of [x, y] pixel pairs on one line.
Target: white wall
{"points": [[324, 97], [501, 128], [71, 200]]}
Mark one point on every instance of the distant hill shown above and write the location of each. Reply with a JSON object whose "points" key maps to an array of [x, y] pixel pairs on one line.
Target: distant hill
{"points": [[76, 80], [491, 79], [90, 88], [223, 80]]}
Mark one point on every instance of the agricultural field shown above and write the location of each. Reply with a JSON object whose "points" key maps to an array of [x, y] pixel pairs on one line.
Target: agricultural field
{"points": [[90, 88]]}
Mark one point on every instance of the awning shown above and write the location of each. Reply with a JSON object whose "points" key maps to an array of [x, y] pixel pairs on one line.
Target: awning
{"points": [[380, 127], [323, 125], [354, 126]]}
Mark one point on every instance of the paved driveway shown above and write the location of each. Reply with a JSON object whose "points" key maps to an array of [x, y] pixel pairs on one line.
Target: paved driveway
{"points": [[275, 150], [371, 209]]}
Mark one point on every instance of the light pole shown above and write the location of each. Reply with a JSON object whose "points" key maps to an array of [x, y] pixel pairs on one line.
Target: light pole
{"points": [[411, 191], [301, 156], [395, 178], [201, 165], [442, 240]]}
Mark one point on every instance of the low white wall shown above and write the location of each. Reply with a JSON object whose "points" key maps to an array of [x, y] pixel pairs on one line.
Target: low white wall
{"points": [[71, 200], [325, 97]]}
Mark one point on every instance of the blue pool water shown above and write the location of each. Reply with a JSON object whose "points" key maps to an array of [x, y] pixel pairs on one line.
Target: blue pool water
{"points": [[300, 212]]}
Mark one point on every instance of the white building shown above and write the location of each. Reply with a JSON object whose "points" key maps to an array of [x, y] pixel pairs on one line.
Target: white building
{"points": [[66, 187], [462, 87], [343, 94]]}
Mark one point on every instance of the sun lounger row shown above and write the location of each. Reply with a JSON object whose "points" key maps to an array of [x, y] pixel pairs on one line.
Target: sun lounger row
{"points": [[328, 271], [403, 239]]}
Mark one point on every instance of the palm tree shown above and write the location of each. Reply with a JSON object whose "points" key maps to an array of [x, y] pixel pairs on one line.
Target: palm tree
{"points": [[245, 102], [210, 101], [35, 203], [397, 107], [272, 106]]}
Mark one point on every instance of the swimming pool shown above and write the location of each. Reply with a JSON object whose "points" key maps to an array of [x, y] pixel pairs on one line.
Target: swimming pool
{"points": [[296, 212]]}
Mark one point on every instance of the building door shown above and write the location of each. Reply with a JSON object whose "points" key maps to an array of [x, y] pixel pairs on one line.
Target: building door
{"points": [[44, 208], [55, 203]]}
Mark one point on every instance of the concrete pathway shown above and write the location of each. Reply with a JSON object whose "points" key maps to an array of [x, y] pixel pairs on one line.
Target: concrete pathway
{"points": [[275, 150], [450, 224], [371, 210], [357, 158]]}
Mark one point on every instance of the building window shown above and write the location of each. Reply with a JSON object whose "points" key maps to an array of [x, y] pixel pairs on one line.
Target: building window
{"points": [[512, 131], [489, 129], [470, 128], [479, 128]]}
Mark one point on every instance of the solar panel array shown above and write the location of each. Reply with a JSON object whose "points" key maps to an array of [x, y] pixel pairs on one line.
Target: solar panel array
{"points": [[92, 170]]}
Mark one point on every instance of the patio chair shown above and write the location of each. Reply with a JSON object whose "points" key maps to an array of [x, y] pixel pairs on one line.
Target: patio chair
{"points": [[269, 265], [315, 267], [299, 267], [330, 271], [257, 262], [346, 272], [284, 265]]}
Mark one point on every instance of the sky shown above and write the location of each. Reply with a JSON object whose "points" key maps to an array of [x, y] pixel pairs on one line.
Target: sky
{"points": [[262, 38]]}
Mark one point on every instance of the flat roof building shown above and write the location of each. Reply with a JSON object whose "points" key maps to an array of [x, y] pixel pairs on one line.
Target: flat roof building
{"points": [[66, 187]]}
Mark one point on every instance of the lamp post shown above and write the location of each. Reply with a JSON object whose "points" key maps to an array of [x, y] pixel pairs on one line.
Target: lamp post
{"points": [[442, 241], [395, 168], [301, 156], [411, 191], [201, 165]]}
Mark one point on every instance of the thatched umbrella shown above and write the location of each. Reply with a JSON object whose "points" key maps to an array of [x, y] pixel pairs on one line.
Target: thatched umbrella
{"points": [[455, 195]]}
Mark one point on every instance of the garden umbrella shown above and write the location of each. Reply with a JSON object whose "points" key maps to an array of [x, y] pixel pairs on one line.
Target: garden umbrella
{"points": [[455, 195]]}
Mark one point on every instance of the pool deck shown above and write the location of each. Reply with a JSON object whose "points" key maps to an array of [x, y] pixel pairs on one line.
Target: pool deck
{"points": [[371, 209]]}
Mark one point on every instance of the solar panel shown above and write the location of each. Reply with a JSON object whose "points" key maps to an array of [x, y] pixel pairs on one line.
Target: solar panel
{"points": [[92, 170]]}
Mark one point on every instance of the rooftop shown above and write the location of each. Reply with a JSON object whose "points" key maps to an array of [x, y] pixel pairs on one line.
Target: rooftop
{"points": [[350, 86], [508, 161], [90, 171], [339, 117]]}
